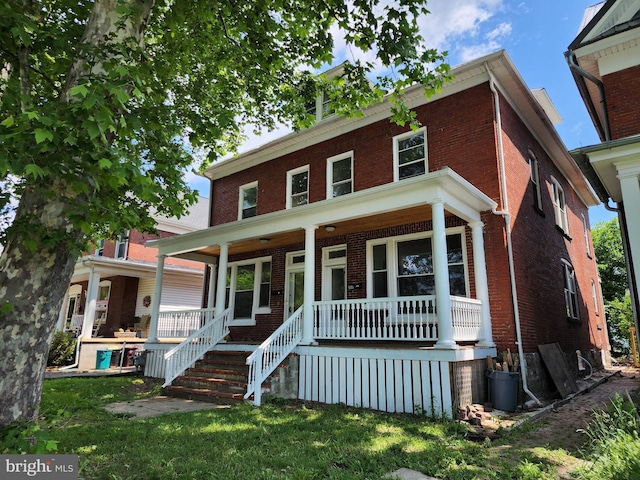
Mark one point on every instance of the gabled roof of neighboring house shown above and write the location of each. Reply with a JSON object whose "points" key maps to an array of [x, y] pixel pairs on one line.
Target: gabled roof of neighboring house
{"points": [[196, 218], [497, 65], [606, 19]]}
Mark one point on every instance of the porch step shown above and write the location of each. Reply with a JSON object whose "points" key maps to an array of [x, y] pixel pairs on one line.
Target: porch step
{"points": [[203, 395], [219, 377]]}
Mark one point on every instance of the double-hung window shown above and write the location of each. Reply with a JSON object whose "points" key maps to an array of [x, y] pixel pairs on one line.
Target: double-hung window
{"points": [[122, 245], [535, 181], [298, 187], [248, 289], [410, 154], [560, 206], [340, 175], [99, 248], [403, 266], [570, 290], [248, 205], [585, 231]]}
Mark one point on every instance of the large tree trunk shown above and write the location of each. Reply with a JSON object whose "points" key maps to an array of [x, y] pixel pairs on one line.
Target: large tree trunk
{"points": [[33, 283]]}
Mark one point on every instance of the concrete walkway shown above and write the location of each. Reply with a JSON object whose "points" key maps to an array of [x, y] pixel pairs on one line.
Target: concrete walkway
{"points": [[160, 405]]}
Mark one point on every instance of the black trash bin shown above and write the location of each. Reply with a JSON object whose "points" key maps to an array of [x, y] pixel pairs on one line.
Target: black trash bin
{"points": [[503, 390]]}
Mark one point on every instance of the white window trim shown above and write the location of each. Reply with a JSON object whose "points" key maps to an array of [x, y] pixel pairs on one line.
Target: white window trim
{"points": [[569, 282], [241, 190], [327, 263], [594, 295], [99, 248], [535, 180], [330, 162], [585, 229], [392, 258], [255, 309], [561, 216], [125, 235], [290, 175], [402, 136]]}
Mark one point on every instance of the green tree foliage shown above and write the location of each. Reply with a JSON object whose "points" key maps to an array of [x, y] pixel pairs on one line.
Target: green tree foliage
{"points": [[607, 244], [103, 102]]}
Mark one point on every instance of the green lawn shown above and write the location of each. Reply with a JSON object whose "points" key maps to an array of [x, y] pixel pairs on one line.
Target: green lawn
{"points": [[275, 441]]}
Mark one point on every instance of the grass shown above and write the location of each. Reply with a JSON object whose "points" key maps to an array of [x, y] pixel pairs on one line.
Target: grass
{"points": [[275, 441]]}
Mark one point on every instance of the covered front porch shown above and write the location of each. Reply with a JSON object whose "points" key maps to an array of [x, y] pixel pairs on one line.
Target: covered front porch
{"points": [[302, 249]]}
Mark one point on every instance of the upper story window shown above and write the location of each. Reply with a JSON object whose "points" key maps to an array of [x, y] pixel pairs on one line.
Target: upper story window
{"points": [[298, 187], [570, 290], [248, 206], [410, 154], [535, 181], [594, 296], [560, 206], [340, 175], [403, 266], [320, 107], [99, 248], [122, 245], [585, 231]]}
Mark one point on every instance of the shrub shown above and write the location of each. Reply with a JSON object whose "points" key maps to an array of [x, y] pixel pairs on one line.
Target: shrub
{"points": [[62, 350]]}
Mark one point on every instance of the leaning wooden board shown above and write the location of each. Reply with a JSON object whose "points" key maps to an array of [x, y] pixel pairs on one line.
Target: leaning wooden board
{"points": [[560, 373]]}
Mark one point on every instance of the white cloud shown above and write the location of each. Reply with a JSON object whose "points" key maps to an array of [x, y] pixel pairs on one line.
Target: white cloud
{"points": [[502, 30]]}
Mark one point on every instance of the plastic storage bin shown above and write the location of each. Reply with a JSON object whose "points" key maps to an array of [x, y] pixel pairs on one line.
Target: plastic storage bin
{"points": [[103, 359], [503, 390]]}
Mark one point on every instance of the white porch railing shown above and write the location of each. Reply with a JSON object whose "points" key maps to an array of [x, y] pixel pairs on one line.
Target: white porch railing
{"points": [[466, 317], [399, 318], [182, 323], [266, 358], [183, 355]]}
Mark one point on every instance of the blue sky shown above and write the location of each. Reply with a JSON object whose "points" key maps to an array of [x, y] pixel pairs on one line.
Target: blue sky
{"points": [[535, 33]]}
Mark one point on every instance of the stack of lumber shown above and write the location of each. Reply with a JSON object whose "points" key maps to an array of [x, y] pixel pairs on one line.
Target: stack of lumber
{"points": [[507, 362]]}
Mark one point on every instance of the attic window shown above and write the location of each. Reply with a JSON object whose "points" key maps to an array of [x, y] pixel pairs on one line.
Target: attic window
{"points": [[320, 107]]}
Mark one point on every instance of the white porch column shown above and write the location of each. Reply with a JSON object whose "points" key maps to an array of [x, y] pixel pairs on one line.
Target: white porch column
{"points": [[90, 303], [157, 299], [309, 282], [222, 278], [481, 283], [60, 325], [630, 185], [441, 274], [213, 267]]}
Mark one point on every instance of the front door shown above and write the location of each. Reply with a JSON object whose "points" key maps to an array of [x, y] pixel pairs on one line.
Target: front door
{"points": [[294, 285]]}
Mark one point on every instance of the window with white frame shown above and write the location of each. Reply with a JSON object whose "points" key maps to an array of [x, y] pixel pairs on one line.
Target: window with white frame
{"points": [[410, 154], [248, 289], [594, 296], [570, 290], [403, 266], [535, 181], [99, 248], [585, 230], [248, 205], [298, 187], [340, 175], [122, 245], [320, 107], [560, 206]]}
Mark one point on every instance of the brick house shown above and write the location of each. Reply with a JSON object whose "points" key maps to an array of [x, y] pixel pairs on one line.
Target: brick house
{"points": [[386, 264], [112, 288], [605, 62]]}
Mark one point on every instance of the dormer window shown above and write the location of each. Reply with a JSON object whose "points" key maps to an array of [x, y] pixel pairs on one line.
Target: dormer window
{"points": [[320, 107]]}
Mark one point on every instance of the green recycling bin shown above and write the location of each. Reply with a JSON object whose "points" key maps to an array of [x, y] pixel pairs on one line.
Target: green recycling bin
{"points": [[503, 390], [103, 359]]}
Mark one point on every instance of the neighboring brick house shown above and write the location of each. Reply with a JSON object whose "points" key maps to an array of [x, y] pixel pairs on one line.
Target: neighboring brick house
{"points": [[605, 62], [113, 287], [399, 260]]}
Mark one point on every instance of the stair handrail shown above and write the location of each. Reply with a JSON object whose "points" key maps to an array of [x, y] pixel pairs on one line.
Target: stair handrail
{"points": [[183, 355], [266, 358]]}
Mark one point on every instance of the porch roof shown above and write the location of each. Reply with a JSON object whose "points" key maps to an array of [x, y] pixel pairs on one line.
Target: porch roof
{"points": [[391, 204]]}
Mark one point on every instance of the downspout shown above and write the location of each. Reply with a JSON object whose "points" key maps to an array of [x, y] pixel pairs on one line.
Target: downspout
{"points": [[604, 127], [507, 222]]}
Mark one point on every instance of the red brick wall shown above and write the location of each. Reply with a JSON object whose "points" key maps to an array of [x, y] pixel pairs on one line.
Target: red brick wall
{"points": [[623, 102], [465, 119], [539, 245]]}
